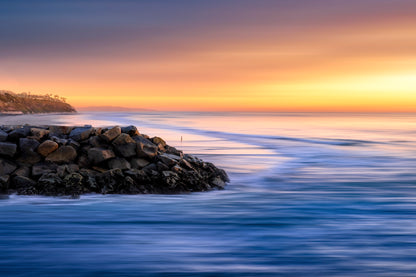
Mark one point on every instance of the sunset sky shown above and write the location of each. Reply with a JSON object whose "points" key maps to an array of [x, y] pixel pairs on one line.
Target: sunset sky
{"points": [[228, 55]]}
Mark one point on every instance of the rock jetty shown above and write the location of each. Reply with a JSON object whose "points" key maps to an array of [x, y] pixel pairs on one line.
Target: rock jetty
{"points": [[63, 160]]}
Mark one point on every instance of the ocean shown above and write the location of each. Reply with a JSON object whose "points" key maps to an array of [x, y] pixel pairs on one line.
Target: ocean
{"points": [[311, 194]]}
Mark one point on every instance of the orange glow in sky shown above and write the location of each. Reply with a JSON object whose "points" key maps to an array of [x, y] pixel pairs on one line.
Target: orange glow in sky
{"points": [[355, 56]]}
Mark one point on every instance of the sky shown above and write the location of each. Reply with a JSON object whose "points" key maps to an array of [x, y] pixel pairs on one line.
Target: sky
{"points": [[214, 55]]}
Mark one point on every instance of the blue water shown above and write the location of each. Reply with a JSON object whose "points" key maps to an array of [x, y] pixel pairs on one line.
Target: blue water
{"points": [[310, 195]]}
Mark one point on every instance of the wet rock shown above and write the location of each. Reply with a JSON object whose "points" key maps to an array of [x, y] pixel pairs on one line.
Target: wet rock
{"points": [[3, 135], [125, 146], [51, 184], [73, 184], [110, 180], [4, 184], [81, 133], [47, 147], [24, 185], [8, 149], [120, 163], [161, 166], [64, 154], [111, 134], [6, 167], [98, 155], [218, 182], [97, 141], [28, 158]]}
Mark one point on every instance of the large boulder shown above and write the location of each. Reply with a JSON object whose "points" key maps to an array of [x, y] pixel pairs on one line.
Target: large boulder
{"points": [[43, 168], [125, 145], [39, 133], [8, 149], [18, 133], [111, 134], [145, 148], [64, 154], [119, 163], [47, 147], [6, 167], [59, 131], [130, 130], [99, 155], [3, 135], [139, 163], [28, 145], [81, 133]]}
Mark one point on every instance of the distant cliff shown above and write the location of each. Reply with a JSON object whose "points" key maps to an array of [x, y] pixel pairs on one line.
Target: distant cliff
{"points": [[30, 103]]}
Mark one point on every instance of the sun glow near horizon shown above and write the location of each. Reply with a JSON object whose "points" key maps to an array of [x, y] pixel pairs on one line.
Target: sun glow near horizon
{"points": [[240, 56]]}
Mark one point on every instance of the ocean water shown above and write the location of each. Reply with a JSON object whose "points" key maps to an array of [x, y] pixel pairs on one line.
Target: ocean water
{"points": [[310, 195]]}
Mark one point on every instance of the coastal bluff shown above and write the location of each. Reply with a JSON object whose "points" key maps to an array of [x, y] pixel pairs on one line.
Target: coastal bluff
{"points": [[65, 160]]}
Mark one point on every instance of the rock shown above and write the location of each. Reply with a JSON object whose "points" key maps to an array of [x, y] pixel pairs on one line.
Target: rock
{"points": [[130, 130], [73, 184], [97, 141], [174, 151], [24, 185], [125, 146], [64, 154], [18, 133], [98, 155], [81, 133], [43, 168], [110, 180], [4, 184], [51, 184], [28, 145], [218, 182], [59, 131], [161, 166], [28, 158], [22, 171], [73, 143], [39, 133], [158, 140], [60, 141], [145, 148], [171, 178], [169, 159], [120, 163], [138, 163], [66, 169], [47, 147], [111, 134], [3, 135], [8, 149]]}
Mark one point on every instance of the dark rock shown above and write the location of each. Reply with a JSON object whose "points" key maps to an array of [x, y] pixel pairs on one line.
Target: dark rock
{"points": [[120, 163], [6, 167], [51, 184], [174, 151], [39, 133], [64, 154], [73, 184], [218, 182], [171, 178], [66, 169], [161, 167], [42, 168], [59, 131], [22, 171], [3, 135], [98, 155], [73, 143], [24, 185], [110, 180], [8, 149], [169, 159], [130, 130], [4, 184], [60, 141], [28, 145], [47, 147], [81, 133], [111, 134], [83, 161], [125, 146], [97, 141], [18, 133], [139, 163], [145, 148], [28, 158]]}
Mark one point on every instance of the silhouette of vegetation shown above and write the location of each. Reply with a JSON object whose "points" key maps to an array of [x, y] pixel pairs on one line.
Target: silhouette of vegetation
{"points": [[26, 102]]}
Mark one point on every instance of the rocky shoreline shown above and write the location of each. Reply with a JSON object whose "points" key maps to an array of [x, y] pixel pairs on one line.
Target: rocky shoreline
{"points": [[64, 160]]}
